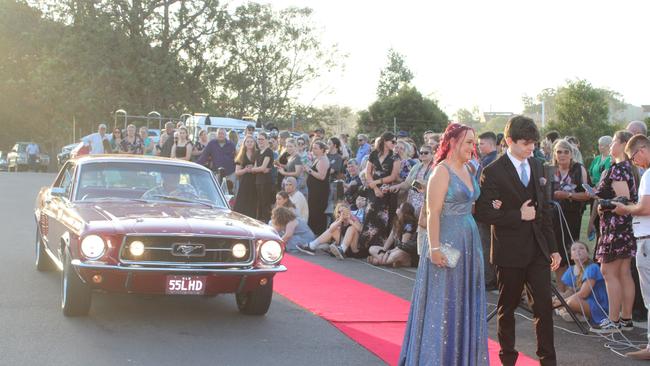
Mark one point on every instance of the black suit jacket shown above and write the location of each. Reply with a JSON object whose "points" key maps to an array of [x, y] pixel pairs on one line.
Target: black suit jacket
{"points": [[514, 241]]}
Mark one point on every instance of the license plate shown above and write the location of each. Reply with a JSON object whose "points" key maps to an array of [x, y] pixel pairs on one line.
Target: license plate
{"points": [[185, 285]]}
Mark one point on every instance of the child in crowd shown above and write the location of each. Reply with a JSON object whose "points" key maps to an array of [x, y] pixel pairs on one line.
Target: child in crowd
{"points": [[294, 230], [586, 293], [344, 232], [400, 249]]}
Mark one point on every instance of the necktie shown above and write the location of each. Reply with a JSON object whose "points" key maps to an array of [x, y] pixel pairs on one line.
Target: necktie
{"points": [[524, 174]]}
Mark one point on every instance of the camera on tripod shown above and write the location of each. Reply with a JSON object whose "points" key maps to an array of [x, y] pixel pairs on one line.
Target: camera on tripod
{"points": [[607, 205]]}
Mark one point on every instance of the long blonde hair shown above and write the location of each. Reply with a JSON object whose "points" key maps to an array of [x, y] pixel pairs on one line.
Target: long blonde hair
{"points": [[581, 267], [241, 155]]}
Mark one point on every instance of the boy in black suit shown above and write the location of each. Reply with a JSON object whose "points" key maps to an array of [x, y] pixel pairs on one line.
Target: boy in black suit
{"points": [[523, 245]]}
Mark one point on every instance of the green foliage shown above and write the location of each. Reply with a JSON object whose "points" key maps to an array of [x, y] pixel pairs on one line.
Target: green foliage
{"points": [[394, 75], [267, 55], [496, 125], [82, 60], [412, 112], [582, 111]]}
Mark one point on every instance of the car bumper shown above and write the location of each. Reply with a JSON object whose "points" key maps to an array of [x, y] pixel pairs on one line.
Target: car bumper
{"points": [[222, 271], [152, 280]]}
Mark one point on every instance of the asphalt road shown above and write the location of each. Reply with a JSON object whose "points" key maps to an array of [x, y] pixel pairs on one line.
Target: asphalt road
{"points": [[137, 330]]}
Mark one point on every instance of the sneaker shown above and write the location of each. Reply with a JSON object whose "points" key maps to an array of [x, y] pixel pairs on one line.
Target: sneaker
{"points": [[337, 251], [304, 248], [626, 324], [642, 354], [606, 327]]}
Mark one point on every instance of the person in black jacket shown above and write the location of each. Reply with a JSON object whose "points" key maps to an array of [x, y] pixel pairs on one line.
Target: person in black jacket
{"points": [[523, 244]]}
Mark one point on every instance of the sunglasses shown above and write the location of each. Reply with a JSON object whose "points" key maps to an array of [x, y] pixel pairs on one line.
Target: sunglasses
{"points": [[563, 152], [636, 152], [425, 152]]}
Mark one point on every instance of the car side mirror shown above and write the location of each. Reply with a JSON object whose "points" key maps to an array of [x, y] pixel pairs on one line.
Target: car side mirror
{"points": [[57, 192]]}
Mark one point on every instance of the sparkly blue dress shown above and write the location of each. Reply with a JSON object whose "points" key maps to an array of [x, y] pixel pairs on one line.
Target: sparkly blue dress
{"points": [[447, 321]]}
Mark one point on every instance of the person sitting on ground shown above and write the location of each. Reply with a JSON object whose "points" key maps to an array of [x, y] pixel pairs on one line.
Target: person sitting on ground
{"points": [[352, 184], [282, 199], [361, 205], [344, 231], [294, 230], [400, 249], [289, 185], [586, 293]]}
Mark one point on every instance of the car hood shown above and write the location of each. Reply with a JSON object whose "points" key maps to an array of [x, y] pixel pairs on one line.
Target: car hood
{"points": [[157, 218]]}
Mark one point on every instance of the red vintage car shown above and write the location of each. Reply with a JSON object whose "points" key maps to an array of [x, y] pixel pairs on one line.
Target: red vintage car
{"points": [[150, 225]]}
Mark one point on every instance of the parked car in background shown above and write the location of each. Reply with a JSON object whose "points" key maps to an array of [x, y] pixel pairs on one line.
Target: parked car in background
{"points": [[64, 155], [3, 162], [138, 224], [18, 159]]}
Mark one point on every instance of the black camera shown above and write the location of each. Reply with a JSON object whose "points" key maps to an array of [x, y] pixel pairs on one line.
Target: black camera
{"points": [[607, 205]]}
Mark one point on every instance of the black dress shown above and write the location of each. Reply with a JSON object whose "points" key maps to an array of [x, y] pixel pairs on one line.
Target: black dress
{"points": [[246, 201], [381, 212], [318, 192], [264, 187]]}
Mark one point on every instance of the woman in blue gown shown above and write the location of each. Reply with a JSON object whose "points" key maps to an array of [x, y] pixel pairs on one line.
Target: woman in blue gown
{"points": [[447, 321]]}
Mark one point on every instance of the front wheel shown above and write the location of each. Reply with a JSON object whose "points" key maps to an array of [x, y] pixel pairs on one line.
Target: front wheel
{"points": [[256, 302], [75, 294]]}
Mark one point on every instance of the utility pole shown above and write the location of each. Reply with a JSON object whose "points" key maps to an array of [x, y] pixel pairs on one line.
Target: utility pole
{"points": [[394, 125], [543, 115]]}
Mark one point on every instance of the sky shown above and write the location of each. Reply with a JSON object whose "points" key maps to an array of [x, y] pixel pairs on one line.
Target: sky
{"points": [[483, 53]]}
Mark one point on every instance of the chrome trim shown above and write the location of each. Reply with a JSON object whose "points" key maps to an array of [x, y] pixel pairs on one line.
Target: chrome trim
{"points": [[251, 247], [226, 271]]}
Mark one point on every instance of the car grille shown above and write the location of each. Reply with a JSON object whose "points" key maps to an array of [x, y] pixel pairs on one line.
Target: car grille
{"points": [[185, 250]]}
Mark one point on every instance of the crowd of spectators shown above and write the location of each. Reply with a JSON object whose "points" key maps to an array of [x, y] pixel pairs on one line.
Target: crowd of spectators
{"points": [[325, 198]]}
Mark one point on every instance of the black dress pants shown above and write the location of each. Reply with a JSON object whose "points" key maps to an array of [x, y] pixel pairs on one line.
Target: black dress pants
{"points": [[511, 281]]}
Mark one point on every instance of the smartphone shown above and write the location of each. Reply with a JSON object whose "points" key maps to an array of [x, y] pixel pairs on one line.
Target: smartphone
{"points": [[417, 185], [589, 189]]}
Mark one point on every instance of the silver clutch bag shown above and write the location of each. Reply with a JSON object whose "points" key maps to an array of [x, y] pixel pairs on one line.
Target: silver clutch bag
{"points": [[452, 254]]}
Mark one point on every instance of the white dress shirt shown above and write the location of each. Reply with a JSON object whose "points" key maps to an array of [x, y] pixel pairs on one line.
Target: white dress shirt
{"points": [[517, 163]]}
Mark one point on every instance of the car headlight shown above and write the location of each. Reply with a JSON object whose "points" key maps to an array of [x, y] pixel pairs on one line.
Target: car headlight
{"points": [[136, 248], [239, 250], [271, 252], [93, 247]]}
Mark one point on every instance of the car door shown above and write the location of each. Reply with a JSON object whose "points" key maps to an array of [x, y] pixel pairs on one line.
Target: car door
{"points": [[54, 208]]}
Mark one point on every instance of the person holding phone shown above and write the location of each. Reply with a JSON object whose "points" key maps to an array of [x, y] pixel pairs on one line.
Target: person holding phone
{"points": [[440, 331], [415, 182]]}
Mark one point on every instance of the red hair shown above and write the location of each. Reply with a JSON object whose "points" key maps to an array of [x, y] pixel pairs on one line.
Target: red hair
{"points": [[454, 132]]}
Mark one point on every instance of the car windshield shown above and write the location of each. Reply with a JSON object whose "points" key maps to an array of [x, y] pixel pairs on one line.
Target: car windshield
{"points": [[147, 181]]}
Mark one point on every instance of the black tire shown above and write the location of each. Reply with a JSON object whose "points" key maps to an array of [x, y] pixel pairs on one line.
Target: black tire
{"points": [[256, 302], [76, 296], [43, 261]]}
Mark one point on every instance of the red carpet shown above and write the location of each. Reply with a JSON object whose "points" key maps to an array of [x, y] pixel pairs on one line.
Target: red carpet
{"points": [[371, 317]]}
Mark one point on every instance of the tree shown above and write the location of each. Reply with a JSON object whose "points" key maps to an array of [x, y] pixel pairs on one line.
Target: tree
{"points": [[582, 111], [496, 125], [407, 110], [470, 118], [394, 75], [533, 107], [264, 58], [334, 119], [82, 60]]}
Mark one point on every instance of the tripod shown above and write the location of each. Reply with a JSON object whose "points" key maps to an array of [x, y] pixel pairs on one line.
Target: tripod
{"points": [[562, 304]]}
